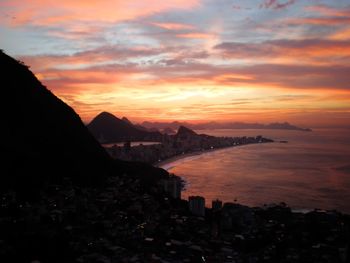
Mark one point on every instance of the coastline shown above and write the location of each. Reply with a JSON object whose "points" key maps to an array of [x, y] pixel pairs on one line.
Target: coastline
{"points": [[169, 163], [172, 162], [166, 164]]}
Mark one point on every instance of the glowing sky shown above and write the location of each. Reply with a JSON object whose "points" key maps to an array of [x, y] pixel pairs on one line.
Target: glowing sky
{"points": [[252, 60]]}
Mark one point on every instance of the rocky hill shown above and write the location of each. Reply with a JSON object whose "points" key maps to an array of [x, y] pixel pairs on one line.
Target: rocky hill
{"points": [[107, 128], [41, 136]]}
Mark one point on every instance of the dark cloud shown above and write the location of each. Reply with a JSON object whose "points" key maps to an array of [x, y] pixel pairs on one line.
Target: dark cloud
{"points": [[275, 4]]}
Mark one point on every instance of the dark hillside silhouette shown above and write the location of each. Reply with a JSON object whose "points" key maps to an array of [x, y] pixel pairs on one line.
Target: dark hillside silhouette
{"points": [[108, 128], [43, 139], [184, 131], [41, 136]]}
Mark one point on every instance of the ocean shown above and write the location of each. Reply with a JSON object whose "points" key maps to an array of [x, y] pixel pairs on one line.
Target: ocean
{"points": [[311, 171]]}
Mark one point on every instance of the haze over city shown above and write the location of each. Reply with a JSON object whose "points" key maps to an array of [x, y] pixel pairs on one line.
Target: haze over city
{"points": [[193, 60]]}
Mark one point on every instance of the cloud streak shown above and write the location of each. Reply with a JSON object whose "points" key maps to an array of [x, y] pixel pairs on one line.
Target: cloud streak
{"points": [[309, 49], [275, 4], [41, 12]]}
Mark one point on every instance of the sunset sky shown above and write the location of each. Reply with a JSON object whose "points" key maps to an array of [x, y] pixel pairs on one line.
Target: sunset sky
{"points": [[196, 60]]}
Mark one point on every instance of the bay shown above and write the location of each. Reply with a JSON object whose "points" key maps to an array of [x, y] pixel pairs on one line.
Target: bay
{"points": [[311, 171]]}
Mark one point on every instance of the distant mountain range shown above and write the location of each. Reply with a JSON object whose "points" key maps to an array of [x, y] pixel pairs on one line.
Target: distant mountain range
{"points": [[216, 125], [107, 128]]}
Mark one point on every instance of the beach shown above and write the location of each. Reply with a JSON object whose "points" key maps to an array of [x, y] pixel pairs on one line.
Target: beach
{"points": [[171, 162]]}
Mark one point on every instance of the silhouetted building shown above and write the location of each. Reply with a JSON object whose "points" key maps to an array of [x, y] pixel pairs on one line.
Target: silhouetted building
{"points": [[197, 205], [216, 205], [127, 146], [172, 186], [236, 216]]}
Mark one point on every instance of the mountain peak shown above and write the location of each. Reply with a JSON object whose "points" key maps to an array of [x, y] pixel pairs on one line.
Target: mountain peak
{"points": [[112, 129], [105, 115], [125, 119], [185, 131]]}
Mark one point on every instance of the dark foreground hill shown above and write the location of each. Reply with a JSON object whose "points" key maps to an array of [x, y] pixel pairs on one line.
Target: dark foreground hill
{"points": [[108, 128], [42, 138]]}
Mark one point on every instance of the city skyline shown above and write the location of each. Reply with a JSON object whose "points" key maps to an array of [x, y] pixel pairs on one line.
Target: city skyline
{"points": [[253, 61]]}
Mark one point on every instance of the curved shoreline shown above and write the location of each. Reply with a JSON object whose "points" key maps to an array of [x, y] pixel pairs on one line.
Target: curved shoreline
{"points": [[167, 163], [172, 162]]}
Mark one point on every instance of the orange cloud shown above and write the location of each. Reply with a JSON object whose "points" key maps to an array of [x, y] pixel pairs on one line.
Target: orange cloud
{"points": [[327, 21], [343, 34], [314, 51], [328, 10], [326, 15], [43, 12], [173, 26], [195, 35], [225, 77]]}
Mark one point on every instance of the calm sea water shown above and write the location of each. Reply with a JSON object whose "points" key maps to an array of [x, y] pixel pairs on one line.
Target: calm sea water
{"points": [[311, 171]]}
